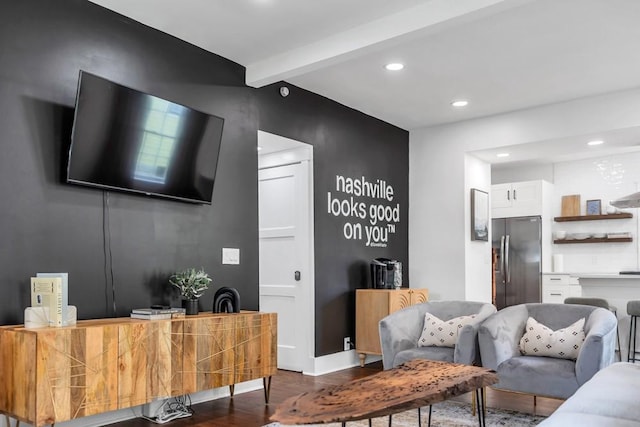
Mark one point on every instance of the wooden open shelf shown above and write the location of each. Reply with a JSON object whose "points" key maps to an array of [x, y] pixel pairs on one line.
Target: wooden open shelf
{"points": [[595, 240], [622, 215]]}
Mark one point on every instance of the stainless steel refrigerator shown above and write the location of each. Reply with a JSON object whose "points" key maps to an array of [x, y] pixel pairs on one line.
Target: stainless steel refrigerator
{"points": [[518, 269]]}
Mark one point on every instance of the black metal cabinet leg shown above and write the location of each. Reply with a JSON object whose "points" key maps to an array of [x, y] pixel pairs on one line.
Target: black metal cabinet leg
{"points": [[266, 383]]}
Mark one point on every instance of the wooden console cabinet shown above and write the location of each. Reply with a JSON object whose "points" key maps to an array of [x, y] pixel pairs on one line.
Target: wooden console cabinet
{"points": [[374, 304], [51, 375]]}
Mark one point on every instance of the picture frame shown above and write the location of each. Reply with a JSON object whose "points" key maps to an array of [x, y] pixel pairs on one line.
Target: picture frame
{"points": [[594, 207], [479, 215]]}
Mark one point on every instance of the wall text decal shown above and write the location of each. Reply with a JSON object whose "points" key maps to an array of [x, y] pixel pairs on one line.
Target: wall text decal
{"points": [[367, 205]]}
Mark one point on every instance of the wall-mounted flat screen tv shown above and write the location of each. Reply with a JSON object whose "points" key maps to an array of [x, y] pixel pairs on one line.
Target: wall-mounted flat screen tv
{"points": [[128, 140]]}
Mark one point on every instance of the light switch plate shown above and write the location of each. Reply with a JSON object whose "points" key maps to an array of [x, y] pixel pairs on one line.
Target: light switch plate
{"points": [[230, 256]]}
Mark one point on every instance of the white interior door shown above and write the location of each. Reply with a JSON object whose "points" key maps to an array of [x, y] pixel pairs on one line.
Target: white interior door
{"points": [[286, 283]]}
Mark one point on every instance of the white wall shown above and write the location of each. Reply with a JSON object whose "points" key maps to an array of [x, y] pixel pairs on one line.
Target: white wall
{"points": [[477, 253], [437, 177], [516, 173], [605, 178], [436, 216]]}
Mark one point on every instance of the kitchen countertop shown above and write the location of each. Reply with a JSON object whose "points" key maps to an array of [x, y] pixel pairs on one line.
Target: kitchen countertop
{"points": [[608, 276], [601, 275]]}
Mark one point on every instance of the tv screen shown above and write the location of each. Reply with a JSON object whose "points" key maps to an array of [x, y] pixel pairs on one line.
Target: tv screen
{"points": [[127, 140]]}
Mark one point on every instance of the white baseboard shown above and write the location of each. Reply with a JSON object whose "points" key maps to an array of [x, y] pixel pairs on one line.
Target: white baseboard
{"points": [[336, 362], [217, 393], [137, 411]]}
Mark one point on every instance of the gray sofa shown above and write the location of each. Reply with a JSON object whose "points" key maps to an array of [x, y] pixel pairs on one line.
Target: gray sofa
{"points": [[400, 331], [608, 399], [499, 338]]}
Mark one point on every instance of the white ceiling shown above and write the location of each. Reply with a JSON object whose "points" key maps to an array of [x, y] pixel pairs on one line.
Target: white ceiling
{"points": [[502, 55]]}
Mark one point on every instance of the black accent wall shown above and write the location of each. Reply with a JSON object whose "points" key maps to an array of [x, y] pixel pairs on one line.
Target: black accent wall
{"points": [[350, 144], [48, 225], [125, 246]]}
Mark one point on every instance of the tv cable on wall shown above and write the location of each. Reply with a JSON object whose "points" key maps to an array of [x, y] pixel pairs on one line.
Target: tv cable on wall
{"points": [[108, 256]]}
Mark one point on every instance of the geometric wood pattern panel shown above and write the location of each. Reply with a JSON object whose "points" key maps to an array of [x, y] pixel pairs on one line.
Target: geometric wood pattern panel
{"points": [[256, 337], [208, 353]]}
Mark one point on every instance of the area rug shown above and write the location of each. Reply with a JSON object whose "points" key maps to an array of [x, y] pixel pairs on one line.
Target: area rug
{"points": [[445, 414]]}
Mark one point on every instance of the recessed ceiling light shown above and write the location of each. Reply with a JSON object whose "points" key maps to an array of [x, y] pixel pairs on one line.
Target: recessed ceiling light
{"points": [[596, 142], [502, 155], [394, 66], [460, 103]]}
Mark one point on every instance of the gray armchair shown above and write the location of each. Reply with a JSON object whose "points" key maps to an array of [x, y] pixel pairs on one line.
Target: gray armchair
{"points": [[499, 338], [400, 331]]}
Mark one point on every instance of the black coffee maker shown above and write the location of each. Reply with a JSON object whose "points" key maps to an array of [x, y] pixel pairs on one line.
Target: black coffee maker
{"points": [[386, 273]]}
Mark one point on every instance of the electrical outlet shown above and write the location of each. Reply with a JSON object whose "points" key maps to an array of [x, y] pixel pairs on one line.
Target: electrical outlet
{"points": [[347, 343]]}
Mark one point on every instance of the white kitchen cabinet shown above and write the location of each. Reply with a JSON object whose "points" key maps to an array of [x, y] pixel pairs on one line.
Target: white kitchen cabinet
{"points": [[500, 196], [557, 287], [514, 199]]}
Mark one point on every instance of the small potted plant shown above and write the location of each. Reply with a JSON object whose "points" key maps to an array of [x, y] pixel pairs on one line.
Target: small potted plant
{"points": [[191, 283]]}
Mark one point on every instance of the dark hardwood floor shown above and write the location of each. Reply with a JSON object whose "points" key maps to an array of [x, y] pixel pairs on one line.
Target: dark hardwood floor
{"points": [[249, 410]]}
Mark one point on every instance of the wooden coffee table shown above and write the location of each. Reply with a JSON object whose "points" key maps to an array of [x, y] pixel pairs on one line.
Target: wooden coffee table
{"points": [[411, 385]]}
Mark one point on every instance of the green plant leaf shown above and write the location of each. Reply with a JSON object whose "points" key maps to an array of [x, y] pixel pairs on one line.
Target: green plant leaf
{"points": [[190, 282]]}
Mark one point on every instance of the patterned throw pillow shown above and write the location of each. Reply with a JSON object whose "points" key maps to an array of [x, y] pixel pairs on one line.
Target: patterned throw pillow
{"points": [[442, 333], [539, 340]]}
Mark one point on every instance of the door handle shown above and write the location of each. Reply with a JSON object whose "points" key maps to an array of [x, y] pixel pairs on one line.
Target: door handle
{"points": [[296, 276], [506, 259], [514, 194], [501, 266]]}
